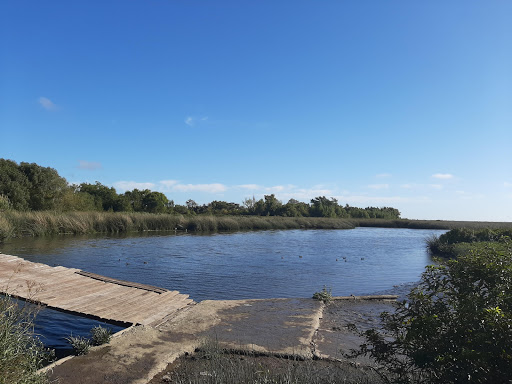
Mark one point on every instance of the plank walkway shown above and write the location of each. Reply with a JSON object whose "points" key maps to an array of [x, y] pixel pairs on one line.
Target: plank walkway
{"points": [[74, 291]]}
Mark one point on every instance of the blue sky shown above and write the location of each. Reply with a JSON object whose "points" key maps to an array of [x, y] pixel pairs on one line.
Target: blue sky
{"points": [[377, 103]]}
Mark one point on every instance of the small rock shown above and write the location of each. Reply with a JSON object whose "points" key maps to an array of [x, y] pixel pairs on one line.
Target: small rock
{"points": [[166, 379]]}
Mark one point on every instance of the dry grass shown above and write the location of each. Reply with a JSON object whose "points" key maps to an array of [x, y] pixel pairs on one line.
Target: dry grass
{"points": [[17, 224], [40, 223], [211, 364]]}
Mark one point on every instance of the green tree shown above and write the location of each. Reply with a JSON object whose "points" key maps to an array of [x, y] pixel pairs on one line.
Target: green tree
{"points": [[46, 187], [155, 202], [249, 205], [272, 206], [323, 207], [107, 197], [294, 208], [135, 199], [456, 325], [74, 200], [14, 184]]}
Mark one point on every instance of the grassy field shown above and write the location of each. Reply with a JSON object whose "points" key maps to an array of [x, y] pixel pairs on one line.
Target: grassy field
{"points": [[41, 223]]}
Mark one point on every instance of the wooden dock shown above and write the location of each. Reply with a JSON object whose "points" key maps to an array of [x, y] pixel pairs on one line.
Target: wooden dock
{"points": [[87, 294]]}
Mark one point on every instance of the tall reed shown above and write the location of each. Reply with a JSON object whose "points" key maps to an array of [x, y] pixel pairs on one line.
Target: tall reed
{"points": [[40, 223], [17, 224]]}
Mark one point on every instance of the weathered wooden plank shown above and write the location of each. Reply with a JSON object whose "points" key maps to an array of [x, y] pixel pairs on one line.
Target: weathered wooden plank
{"points": [[108, 294], [119, 306], [140, 315], [75, 291], [151, 305], [70, 291], [166, 310], [122, 282]]}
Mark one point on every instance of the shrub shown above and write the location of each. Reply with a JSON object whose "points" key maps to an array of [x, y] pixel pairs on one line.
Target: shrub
{"points": [[100, 335], [81, 345], [324, 295], [456, 325], [21, 353]]}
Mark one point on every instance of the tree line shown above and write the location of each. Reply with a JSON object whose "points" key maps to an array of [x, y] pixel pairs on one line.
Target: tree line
{"points": [[31, 187]]}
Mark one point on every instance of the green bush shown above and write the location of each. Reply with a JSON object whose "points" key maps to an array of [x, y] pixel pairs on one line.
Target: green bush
{"points": [[456, 325], [21, 353], [459, 240], [100, 335], [324, 295], [80, 344]]}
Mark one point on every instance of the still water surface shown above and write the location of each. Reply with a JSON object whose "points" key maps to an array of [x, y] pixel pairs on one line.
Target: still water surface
{"points": [[242, 265]]}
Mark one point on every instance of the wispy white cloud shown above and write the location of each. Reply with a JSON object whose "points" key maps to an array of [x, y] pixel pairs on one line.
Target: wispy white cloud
{"points": [[47, 104], [252, 187], [208, 188], [414, 186], [383, 175], [88, 165], [289, 191], [442, 176], [380, 200], [192, 121], [124, 186], [167, 185], [378, 186]]}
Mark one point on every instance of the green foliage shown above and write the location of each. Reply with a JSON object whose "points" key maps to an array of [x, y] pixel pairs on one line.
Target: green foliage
{"points": [[103, 195], [458, 240], [46, 187], [155, 202], [5, 204], [100, 335], [323, 207], [32, 187], [21, 353], [74, 200], [456, 325], [81, 345], [324, 295], [14, 184]]}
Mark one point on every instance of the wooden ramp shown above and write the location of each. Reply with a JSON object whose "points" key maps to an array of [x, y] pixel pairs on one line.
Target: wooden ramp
{"points": [[87, 294]]}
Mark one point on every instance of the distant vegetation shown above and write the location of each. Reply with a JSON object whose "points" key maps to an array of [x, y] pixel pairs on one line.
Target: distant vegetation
{"points": [[17, 224], [30, 187], [37, 201]]}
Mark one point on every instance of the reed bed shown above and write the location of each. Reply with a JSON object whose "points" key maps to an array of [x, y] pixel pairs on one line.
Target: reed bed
{"points": [[41, 223], [18, 224], [429, 224]]}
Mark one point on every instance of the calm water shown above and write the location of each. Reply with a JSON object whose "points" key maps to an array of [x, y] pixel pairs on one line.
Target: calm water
{"points": [[292, 263]]}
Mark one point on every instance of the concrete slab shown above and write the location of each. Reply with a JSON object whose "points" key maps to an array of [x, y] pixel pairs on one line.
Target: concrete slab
{"points": [[283, 326], [334, 339], [275, 325]]}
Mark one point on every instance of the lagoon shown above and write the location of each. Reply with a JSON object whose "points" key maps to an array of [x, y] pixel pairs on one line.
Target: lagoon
{"points": [[241, 265]]}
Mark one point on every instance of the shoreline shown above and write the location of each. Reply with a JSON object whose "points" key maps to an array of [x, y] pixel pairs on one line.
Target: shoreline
{"points": [[44, 223]]}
